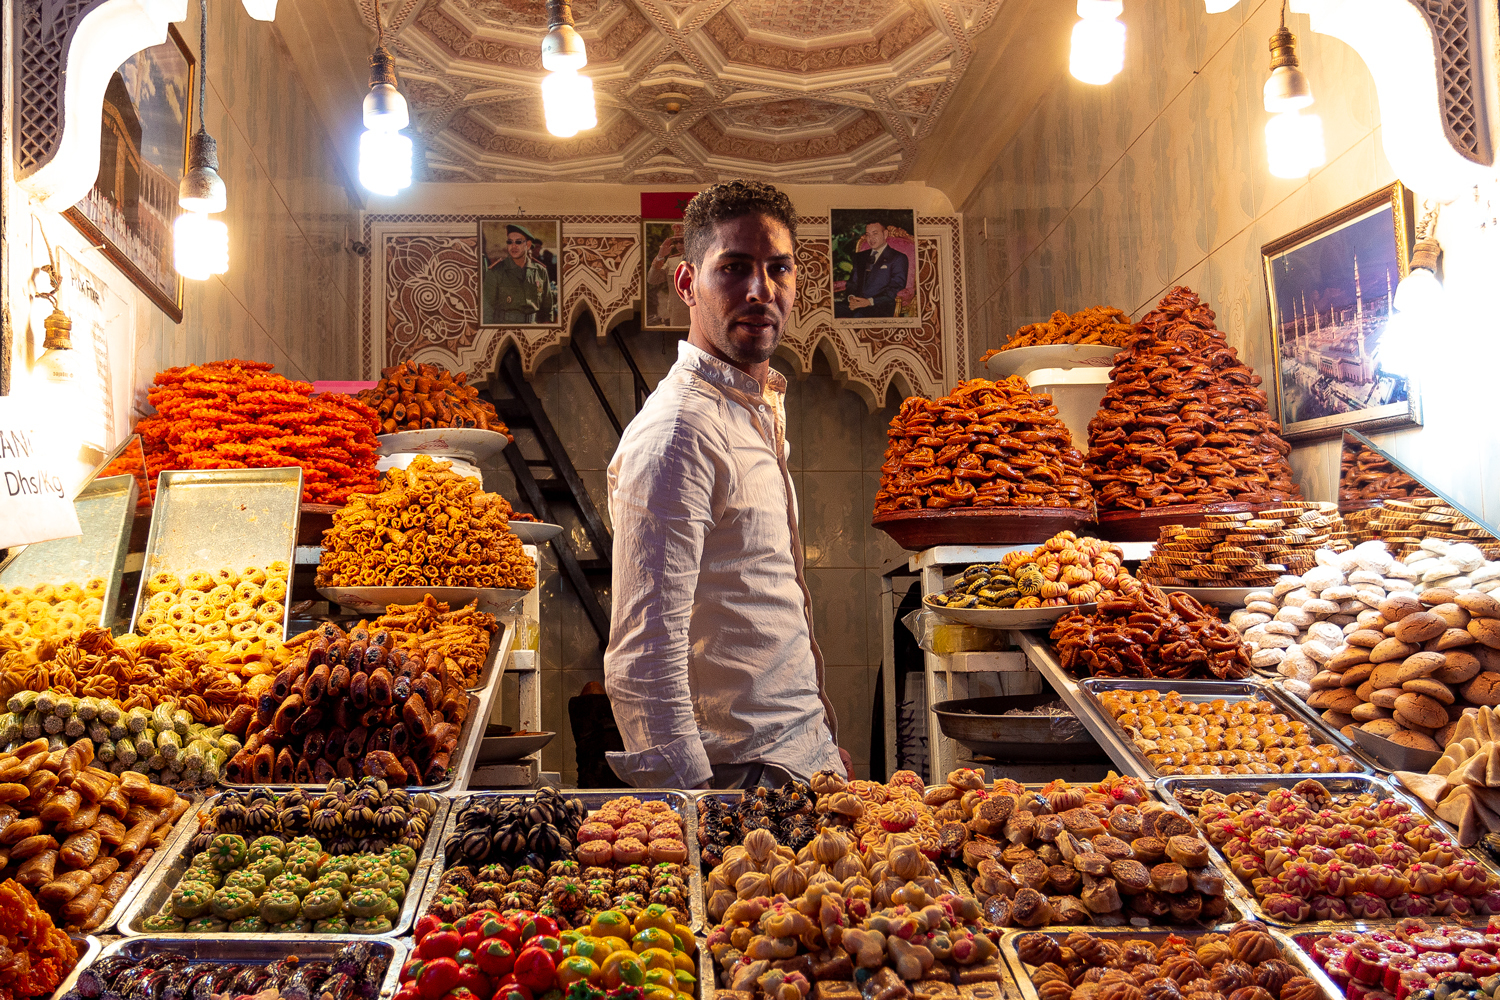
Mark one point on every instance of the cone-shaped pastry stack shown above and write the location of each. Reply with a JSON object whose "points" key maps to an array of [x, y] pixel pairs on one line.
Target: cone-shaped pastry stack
{"points": [[1183, 421]]}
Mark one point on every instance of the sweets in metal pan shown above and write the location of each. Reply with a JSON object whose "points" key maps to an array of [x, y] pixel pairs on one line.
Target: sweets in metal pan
{"points": [[412, 396], [1065, 569], [1146, 633]]}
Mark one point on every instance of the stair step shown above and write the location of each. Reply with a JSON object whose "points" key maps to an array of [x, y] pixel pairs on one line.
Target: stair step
{"points": [[595, 566]]}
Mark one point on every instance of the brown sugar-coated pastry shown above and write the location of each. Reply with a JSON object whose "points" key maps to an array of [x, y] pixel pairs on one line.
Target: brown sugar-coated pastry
{"points": [[1206, 881], [1031, 873], [1082, 823], [1114, 848], [1160, 989], [1185, 906], [1149, 904], [1170, 824], [1030, 908], [1068, 909], [1230, 975], [1092, 863], [1038, 949], [1182, 969], [1187, 850], [1101, 895], [1273, 974], [1251, 993], [1301, 988], [1169, 877], [1253, 947], [1063, 879], [1148, 850], [1131, 876]]}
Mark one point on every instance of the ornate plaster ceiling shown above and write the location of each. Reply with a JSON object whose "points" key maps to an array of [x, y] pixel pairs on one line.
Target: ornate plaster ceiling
{"points": [[692, 91]]}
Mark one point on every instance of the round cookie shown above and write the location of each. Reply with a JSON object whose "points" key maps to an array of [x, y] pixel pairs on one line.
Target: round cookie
{"points": [[1436, 690], [1420, 627], [1417, 741], [1422, 709]]}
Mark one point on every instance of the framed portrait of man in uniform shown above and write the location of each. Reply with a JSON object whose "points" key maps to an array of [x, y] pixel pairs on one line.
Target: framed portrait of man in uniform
{"points": [[874, 272], [520, 260]]}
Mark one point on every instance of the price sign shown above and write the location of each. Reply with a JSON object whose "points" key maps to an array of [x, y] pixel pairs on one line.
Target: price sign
{"points": [[34, 504]]}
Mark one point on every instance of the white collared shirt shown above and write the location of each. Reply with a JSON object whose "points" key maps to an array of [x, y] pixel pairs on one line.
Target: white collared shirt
{"points": [[711, 656]]}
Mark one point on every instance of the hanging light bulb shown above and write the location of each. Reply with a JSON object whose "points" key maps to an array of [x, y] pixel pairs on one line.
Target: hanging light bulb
{"points": [[1098, 41], [1219, 6], [384, 150], [200, 245], [1294, 141], [567, 95], [261, 10], [1417, 307]]}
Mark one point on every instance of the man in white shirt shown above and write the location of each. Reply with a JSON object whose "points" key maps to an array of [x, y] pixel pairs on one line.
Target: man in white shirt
{"points": [[712, 669]]}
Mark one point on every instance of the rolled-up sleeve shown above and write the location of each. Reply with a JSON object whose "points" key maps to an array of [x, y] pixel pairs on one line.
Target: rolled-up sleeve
{"points": [[665, 496]]}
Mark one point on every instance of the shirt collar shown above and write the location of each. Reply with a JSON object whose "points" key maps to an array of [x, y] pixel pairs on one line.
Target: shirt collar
{"points": [[724, 374]]}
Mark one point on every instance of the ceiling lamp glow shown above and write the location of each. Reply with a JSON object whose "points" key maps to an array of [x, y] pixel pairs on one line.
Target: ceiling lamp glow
{"points": [[1219, 6], [384, 151], [261, 10], [1294, 141], [1418, 305], [200, 245], [567, 96], [1098, 41]]}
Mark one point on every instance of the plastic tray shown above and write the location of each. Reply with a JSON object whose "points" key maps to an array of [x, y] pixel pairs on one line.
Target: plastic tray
{"points": [[1245, 690], [165, 878], [244, 949], [1336, 783], [681, 803]]}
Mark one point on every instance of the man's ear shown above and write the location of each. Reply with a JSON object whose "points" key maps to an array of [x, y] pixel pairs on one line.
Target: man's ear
{"points": [[682, 280]]}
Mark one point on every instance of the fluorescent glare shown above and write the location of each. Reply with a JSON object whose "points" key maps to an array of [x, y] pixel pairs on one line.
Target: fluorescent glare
{"points": [[384, 161], [200, 246], [1420, 294], [1219, 6], [568, 104], [261, 10], [1098, 42], [1294, 144]]}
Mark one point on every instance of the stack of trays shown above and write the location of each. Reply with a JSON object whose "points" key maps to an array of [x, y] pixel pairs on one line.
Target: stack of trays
{"points": [[1244, 550]]}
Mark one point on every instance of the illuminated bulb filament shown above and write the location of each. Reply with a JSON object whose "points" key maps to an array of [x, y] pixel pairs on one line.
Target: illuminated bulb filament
{"points": [[1098, 41], [200, 246], [384, 161], [568, 103], [1294, 144]]}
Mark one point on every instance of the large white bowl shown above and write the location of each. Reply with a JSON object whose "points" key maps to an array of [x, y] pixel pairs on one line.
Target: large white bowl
{"points": [[476, 445], [1005, 618], [535, 532], [1021, 360]]}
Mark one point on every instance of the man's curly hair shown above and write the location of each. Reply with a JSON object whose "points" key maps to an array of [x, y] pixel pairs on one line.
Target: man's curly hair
{"points": [[730, 200]]}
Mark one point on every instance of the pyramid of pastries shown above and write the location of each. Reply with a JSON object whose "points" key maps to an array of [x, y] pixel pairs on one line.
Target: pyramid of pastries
{"points": [[1183, 421], [987, 444]]}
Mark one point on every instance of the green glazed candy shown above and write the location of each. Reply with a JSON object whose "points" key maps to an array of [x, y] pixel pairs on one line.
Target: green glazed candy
{"points": [[207, 925], [333, 925], [251, 881], [396, 891], [304, 863], [390, 909], [287, 882], [297, 925], [342, 863], [278, 907], [164, 923], [232, 903], [367, 862], [191, 899], [370, 879], [322, 903], [305, 843], [269, 866], [266, 847], [227, 851], [402, 855], [253, 924], [211, 876], [203, 859], [399, 874], [366, 903], [370, 925]]}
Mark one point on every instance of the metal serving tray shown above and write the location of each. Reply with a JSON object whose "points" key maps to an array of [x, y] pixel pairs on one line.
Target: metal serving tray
{"points": [[157, 862], [88, 950], [165, 878], [1277, 683], [244, 949], [1294, 955], [1201, 691], [501, 644], [460, 766], [681, 804], [223, 517], [1373, 784]]}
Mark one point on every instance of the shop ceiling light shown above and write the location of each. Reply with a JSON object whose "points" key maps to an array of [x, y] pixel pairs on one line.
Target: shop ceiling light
{"points": [[1219, 6], [200, 245], [1287, 89], [261, 10], [1098, 41], [567, 95], [384, 150], [1418, 306], [1294, 141]]}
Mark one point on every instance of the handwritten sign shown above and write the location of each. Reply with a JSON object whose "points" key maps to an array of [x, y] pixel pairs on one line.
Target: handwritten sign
{"points": [[34, 504]]}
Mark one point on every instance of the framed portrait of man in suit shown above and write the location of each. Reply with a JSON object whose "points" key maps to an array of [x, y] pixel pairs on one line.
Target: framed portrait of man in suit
{"points": [[874, 272]]}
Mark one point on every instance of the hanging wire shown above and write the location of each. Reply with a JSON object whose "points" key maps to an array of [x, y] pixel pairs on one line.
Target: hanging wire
{"points": [[202, 62]]}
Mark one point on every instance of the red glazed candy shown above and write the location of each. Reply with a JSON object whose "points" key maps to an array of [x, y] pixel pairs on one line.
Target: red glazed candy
{"points": [[1438, 962], [1463, 938], [1334, 965], [1399, 948], [1381, 937], [1365, 963], [1492, 943], [1396, 967], [1433, 942], [1478, 963], [1411, 983]]}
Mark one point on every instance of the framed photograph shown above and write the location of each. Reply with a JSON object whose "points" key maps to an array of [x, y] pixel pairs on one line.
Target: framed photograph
{"points": [[874, 272], [662, 251], [142, 155], [519, 265], [1331, 285]]}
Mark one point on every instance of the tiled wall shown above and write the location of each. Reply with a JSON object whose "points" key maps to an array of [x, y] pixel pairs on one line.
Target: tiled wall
{"points": [[837, 447], [1114, 194]]}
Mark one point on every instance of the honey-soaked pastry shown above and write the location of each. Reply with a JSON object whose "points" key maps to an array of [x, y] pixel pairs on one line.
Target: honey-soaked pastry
{"points": [[1131, 876], [1148, 850], [1169, 877], [1186, 849]]}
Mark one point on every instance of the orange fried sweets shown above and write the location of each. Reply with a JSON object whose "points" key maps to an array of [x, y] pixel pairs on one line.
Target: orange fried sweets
{"points": [[428, 526], [1094, 325], [238, 415], [35, 957], [412, 397]]}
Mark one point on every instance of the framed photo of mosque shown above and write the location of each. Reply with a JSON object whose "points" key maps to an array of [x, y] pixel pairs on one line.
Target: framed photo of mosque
{"points": [[520, 261], [130, 210], [874, 267], [1331, 285]]}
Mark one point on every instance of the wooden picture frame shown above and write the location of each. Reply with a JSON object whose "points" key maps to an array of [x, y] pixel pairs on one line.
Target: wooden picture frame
{"points": [[1328, 308], [130, 210], [661, 307]]}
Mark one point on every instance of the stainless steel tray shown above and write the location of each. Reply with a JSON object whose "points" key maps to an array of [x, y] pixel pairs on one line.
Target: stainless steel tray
{"points": [[1294, 955], [88, 949], [1374, 784], [681, 804], [1199, 690], [501, 644], [106, 510], [157, 862], [460, 766], [222, 517], [165, 878], [246, 949]]}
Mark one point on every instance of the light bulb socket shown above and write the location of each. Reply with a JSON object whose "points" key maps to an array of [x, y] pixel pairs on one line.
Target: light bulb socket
{"points": [[1284, 49], [382, 67], [562, 48], [1425, 255], [201, 188], [59, 331]]}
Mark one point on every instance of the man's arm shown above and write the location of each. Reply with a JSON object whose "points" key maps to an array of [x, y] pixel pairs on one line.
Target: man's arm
{"points": [[895, 280], [663, 503]]}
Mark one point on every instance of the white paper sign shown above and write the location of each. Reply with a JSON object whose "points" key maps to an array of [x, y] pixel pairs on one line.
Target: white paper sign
{"points": [[34, 504]]}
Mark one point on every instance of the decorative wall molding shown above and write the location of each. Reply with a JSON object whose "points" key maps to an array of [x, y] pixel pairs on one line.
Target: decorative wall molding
{"points": [[66, 51], [1434, 67], [421, 301]]}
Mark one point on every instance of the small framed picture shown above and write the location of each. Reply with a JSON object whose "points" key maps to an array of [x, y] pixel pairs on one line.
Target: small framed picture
{"points": [[519, 265], [1331, 285], [874, 267], [133, 203], [662, 251]]}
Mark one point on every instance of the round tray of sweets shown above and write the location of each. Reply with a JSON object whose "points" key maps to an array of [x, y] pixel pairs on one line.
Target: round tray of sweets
{"points": [[922, 529], [535, 532], [473, 443], [1003, 618], [1145, 525], [1021, 360], [374, 600]]}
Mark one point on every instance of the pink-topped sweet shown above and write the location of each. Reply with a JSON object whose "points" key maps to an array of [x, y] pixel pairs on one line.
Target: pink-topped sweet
{"points": [[1411, 905], [1398, 965], [1438, 962], [1327, 907], [1306, 835], [1397, 854], [1412, 982], [1365, 906], [1389, 807], [1316, 853], [1360, 854], [1431, 941], [1478, 963], [1366, 962], [1301, 878], [1257, 819]]}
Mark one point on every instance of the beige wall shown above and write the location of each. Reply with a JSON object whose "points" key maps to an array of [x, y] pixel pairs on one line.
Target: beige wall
{"points": [[288, 297]]}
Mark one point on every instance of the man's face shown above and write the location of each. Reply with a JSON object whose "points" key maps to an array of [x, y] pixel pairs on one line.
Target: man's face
{"points": [[741, 295], [517, 246], [875, 235]]}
